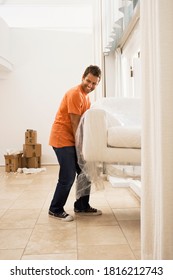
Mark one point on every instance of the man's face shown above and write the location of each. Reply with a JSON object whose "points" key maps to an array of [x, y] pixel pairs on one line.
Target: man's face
{"points": [[89, 83]]}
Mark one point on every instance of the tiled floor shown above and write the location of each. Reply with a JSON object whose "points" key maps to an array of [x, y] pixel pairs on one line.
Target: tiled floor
{"points": [[28, 233]]}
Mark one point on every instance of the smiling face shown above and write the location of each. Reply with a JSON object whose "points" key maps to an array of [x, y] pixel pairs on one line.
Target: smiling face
{"points": [[89, 83]]}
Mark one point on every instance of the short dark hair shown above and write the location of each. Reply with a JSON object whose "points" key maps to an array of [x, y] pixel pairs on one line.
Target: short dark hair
{"points": [[94, 70]]}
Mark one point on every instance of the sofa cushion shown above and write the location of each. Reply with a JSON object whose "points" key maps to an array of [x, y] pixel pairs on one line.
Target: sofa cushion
{"points": [[124, 137]]}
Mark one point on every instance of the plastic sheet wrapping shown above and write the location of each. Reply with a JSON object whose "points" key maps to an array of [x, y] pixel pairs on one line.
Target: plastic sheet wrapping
{"points": [[90, 178], [117, 120], [120, 110]]}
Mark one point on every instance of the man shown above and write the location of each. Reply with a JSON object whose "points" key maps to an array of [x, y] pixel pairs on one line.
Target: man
{"points": [[62, 138]]}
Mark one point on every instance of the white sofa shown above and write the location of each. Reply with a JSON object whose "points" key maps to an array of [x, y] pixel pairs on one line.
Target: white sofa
{"points": [[112, 131]]}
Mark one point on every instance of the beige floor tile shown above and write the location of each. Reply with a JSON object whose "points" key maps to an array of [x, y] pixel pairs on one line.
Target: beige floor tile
{"points": [[105, 252], [36, 194], [12, 188], [28, 203], [19, 219], [39, 187], [98, 193], [137, 254], [2, 211], [5, 203], [10, 193], [127, 214], [44, 181], [21, 181], [59, 237], [121, 198], [100, 235], [11, 254], [47, 201], [65, 256], [106, 219], [131, 230], [14, 239], [27, 231], [97, 199]]}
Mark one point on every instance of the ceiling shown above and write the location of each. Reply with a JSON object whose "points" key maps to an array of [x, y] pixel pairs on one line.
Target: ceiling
{"points": [[50, 14]]}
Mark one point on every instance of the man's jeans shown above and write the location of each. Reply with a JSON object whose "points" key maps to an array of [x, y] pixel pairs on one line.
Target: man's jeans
{"points": [[69, 167]]}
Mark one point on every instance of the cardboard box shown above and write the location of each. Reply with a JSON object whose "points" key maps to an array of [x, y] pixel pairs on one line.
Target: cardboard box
{"points": [[24, 162], [32, 150], [30, 137], [34, 162], [13, 162]]}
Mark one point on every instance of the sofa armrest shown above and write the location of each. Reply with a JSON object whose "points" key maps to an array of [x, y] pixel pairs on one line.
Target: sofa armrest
{"points": [[94, 134]]}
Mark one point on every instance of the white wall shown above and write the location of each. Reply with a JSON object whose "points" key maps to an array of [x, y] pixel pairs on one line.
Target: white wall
{"points": [[4, 39], [46, 64], [5, 63]]}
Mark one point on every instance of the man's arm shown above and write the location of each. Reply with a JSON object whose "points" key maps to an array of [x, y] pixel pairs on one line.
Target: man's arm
{"points": [[75, 119]]}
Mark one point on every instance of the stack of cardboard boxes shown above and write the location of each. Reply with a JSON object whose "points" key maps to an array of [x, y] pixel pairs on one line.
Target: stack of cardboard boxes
{"points": [[31, 150], [29, 158]]}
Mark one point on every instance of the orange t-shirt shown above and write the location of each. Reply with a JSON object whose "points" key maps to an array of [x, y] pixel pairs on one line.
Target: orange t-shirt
{"points": [[75, 101]]}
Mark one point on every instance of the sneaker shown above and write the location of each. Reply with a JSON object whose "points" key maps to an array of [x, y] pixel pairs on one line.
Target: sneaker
{"points": [[88, 212], [61, 216]]}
